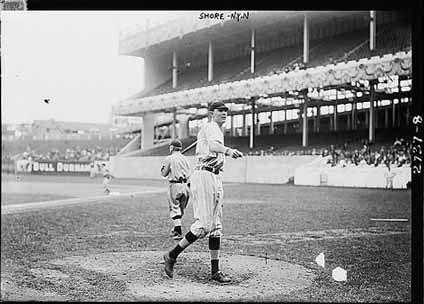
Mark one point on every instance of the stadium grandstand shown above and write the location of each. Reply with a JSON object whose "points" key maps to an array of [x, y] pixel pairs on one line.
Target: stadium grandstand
{"points": [[50, 140], [286, 76], [296, 82]]}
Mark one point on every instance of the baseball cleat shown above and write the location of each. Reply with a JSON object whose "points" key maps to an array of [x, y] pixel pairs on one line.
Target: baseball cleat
{"points": [[220, 277], [175, 235], [169, 264], [178, 237]]}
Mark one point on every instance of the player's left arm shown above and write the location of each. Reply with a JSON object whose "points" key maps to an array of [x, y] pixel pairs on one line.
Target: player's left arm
{"points": [[166, 167], [215, 145]]}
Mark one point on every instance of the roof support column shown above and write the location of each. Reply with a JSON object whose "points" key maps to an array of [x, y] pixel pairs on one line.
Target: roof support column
{"points": [[232, 125], [305, 120], [371, 127], [353, 116], [335, 117], [305, 39], [386, 118], [210, 62], [393, 113], [183, 126], [299, 129], [174, 70], [271, 124], [285, 123], [372, 30], [376, 115], [252, 52], [147, 130], [252, 127], [174, 124], [244, 131], [258, 125], [318, 118], [399, 107]]}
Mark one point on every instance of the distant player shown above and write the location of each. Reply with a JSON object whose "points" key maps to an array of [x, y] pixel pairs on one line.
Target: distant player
{"points": [[207, 192], [389, 175], [177, 168], [107, 177], [92, 170]]}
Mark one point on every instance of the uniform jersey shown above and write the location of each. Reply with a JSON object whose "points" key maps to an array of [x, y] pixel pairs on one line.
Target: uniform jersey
{"points": [[209, 132], [175, 167], [107, 174]]}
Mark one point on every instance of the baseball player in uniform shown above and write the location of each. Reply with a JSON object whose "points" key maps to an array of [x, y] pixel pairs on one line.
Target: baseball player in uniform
{"points": [[207, 192], [107, 177], [176, 168]]}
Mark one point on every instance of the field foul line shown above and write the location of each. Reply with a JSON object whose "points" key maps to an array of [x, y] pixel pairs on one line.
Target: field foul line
{"points": [[318, 235], [16, 208]]}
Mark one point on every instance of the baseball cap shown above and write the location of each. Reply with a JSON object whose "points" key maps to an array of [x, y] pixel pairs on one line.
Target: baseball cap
{"points": [[217, 105], [176, 143]]}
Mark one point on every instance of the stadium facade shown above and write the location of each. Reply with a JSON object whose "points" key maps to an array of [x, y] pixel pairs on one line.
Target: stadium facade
{"points": [[280, 72]]}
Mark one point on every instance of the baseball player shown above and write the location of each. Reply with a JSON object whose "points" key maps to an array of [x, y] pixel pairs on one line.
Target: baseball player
{"points": [[107, 177], [92, 171], [389, 175], [176, 168], [207, 191]]}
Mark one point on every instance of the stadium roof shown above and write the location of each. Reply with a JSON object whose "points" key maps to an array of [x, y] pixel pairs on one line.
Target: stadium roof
{"points": [[188, 33]]}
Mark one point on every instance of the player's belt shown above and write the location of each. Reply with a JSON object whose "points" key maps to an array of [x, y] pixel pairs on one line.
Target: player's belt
{"points": [[214, 171], [180, 181]]}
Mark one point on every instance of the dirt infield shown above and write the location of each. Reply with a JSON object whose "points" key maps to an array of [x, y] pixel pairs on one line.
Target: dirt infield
{"points": [[110, 249], [253, 278]]}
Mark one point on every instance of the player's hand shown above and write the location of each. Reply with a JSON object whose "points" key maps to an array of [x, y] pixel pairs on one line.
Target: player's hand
{"points": [[234, 153]]}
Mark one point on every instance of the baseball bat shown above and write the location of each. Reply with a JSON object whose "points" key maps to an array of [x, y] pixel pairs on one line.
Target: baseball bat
{"points": [[189, 147]]}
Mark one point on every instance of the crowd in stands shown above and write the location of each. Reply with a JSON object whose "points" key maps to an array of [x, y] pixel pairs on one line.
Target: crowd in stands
{"points": [[396, 155], [293, 67], [70, 154]]}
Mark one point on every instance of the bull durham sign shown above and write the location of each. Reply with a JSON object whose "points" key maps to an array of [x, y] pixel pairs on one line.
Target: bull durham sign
{"points": [[42, 167]]}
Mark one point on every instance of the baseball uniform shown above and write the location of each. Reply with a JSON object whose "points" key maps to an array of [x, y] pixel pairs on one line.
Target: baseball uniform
{"points": [[206, 192], [177, 169], [107, 177], [206, 186]]}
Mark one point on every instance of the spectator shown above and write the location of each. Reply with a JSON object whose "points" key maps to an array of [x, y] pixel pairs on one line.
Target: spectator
{"points": [[397, 142]]}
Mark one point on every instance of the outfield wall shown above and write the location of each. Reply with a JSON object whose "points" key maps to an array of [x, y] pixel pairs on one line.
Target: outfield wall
{"points": [[250, 169], [362, 176]]}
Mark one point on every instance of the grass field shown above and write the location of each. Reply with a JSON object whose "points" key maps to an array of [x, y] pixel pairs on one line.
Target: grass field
{"points": [[282, 222]]}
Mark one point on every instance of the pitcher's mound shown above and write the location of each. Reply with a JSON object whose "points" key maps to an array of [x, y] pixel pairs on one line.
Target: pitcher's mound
{"points": [[253, 278]]}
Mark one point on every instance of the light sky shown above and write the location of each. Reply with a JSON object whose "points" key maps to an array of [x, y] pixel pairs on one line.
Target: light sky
{"points": [[71, 58]]}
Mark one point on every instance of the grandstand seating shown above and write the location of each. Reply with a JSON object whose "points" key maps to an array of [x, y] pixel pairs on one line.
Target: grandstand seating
{"points": [[390, 38], [292, 143], [333, 49], [45, 146], [268, 62]]}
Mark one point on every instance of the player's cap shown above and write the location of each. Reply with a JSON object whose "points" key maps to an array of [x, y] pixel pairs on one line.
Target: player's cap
{"points": [[176, 143], [217, 105]]}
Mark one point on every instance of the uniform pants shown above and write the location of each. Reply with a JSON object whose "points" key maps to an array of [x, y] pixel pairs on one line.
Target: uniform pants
{"points": [[178, 196], [207, 196], [106, 181]]}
